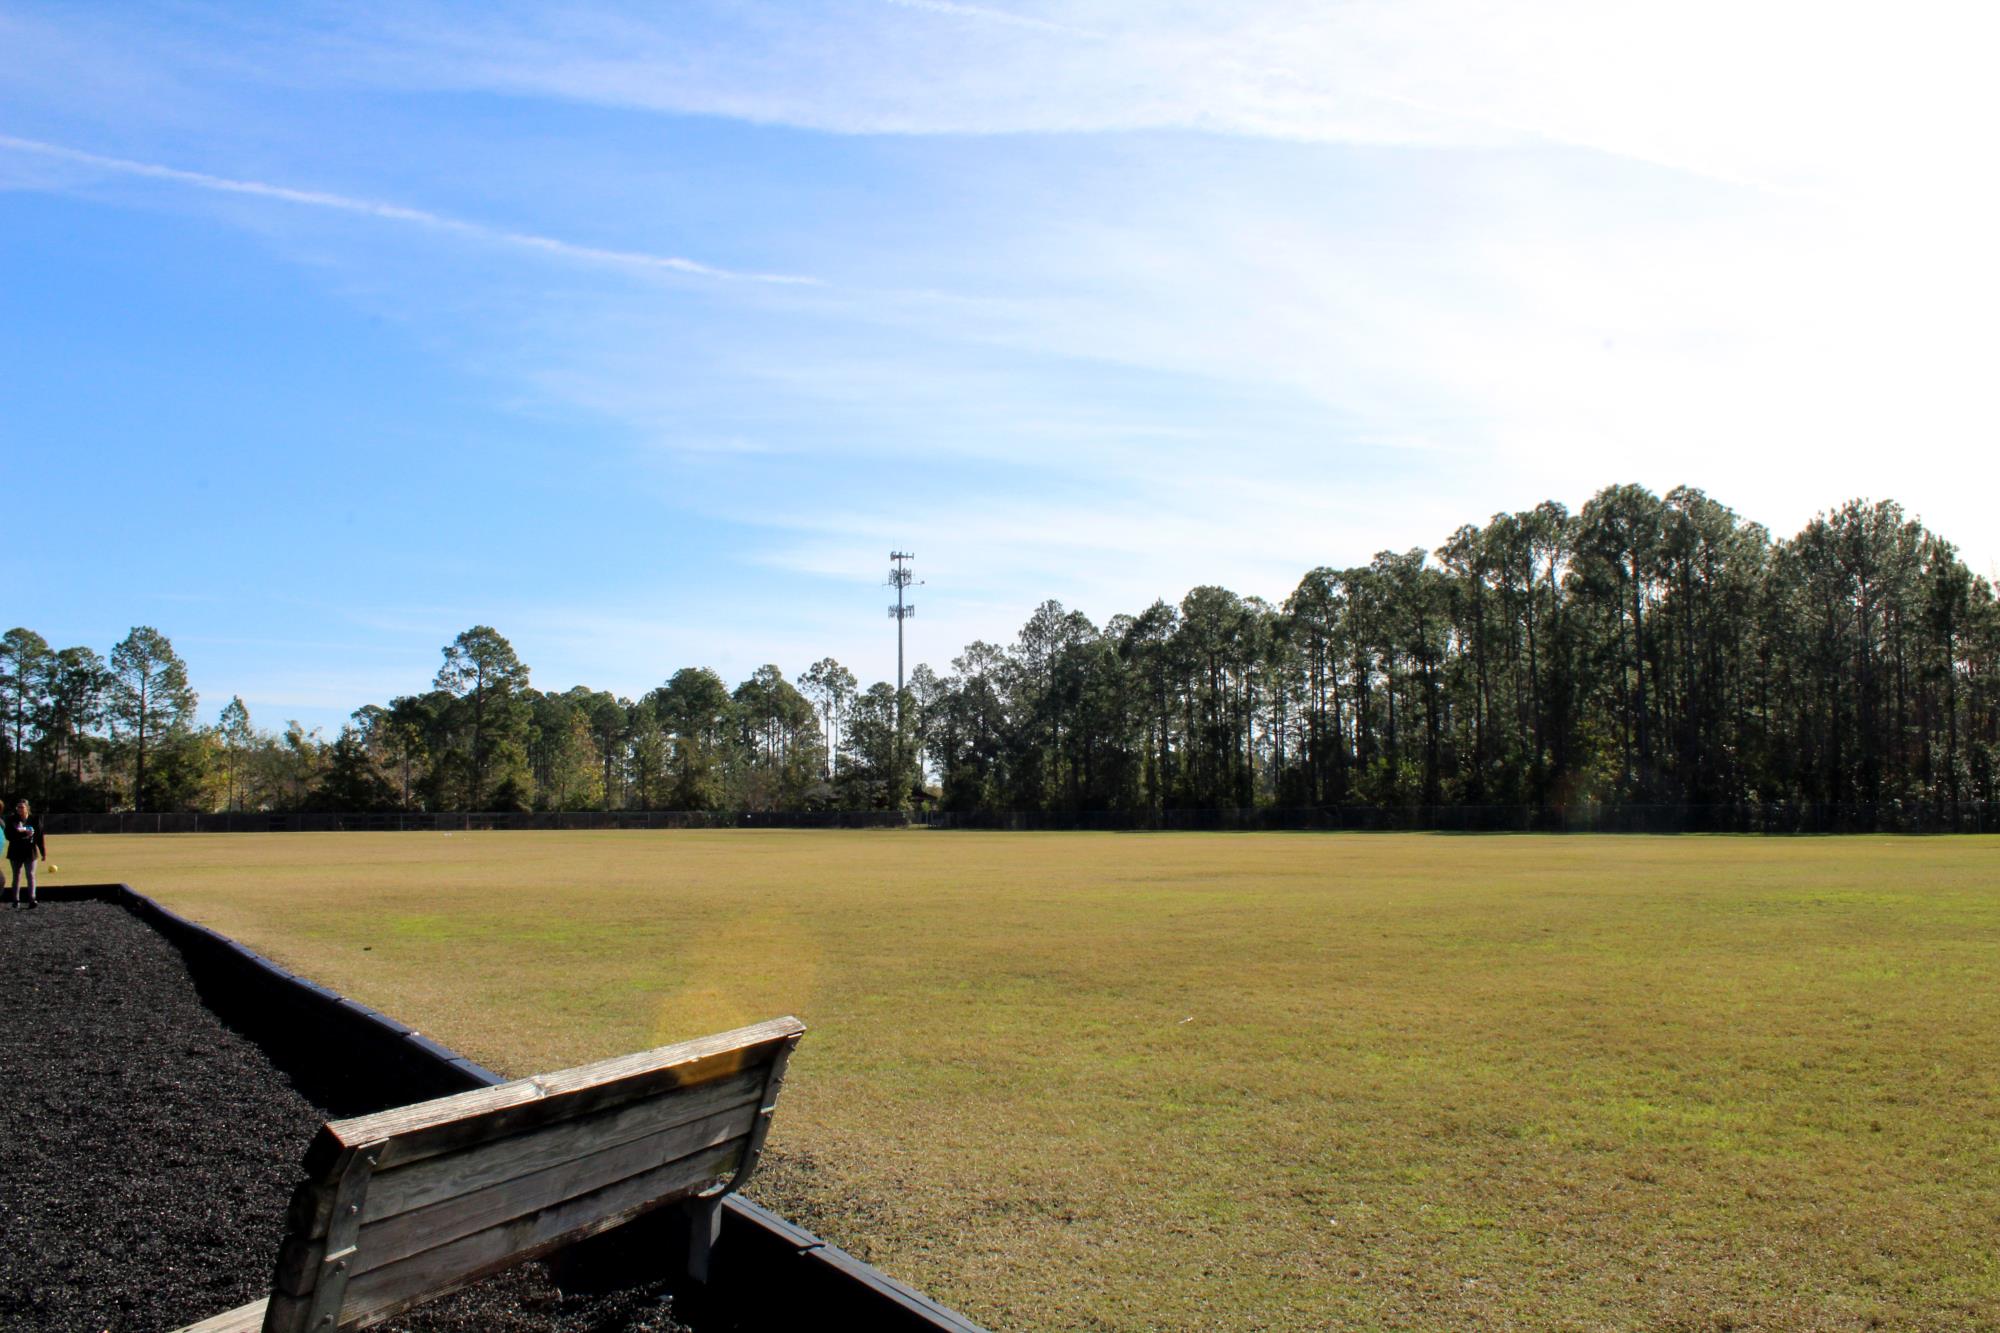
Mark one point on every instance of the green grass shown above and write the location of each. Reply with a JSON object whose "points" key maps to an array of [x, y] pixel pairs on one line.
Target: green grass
{"points": [[1257, 1081]]}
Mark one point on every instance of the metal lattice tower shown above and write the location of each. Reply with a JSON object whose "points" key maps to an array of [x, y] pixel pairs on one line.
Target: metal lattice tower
{"points": [[899, 579]]}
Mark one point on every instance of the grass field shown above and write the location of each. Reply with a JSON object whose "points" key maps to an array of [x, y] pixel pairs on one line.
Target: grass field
{"points": [[1257, 1081]]}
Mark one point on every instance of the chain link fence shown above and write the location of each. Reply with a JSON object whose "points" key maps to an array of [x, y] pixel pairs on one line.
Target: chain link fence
{"points": [[1751, 817], [462, 821]]}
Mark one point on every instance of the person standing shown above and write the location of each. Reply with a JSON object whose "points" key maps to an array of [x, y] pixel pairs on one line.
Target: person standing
{"points": [[24, 843]]}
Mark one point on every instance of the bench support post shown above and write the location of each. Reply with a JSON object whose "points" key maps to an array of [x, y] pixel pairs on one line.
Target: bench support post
{"points": [[703, 1219]]}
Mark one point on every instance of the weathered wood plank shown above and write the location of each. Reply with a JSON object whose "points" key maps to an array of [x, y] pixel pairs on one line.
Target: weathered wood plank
{"points": [[317, 1265], [312, 1218], [448, 1175], [299, 1249], [243, 1319], [286, 1312], [520, 1195], [774, 1081], [527, 1117], [384, 1292], [448, 1123]]}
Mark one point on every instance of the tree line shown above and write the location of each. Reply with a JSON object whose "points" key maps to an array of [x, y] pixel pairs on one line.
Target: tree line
{"points": [[1643, 649]]}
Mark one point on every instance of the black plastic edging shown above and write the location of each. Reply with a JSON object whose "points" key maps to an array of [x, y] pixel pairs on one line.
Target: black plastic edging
{"points": [[349, 1058], [833, 1279], [388, 1063]]}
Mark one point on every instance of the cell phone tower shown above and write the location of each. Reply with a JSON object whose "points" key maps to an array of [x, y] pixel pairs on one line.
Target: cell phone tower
{"points": [[899, 579]]}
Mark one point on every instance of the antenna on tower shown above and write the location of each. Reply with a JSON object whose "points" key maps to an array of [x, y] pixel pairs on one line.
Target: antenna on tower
{"points": [[899, 579]]}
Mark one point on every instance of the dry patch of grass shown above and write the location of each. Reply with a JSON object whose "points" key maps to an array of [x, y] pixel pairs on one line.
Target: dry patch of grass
{"points": [[1260, 1081]]}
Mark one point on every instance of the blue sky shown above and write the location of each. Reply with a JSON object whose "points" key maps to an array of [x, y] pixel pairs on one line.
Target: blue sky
{"points": [[643, 333]]}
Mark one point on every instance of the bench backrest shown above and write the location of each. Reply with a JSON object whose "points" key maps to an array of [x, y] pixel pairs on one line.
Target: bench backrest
{"points": [[408, 1204]]}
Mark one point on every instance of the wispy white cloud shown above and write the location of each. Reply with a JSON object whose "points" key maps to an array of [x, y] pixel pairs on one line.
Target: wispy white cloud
{"points": [[1420, 262], [389, 212], [1788, 94], [987, 14]]}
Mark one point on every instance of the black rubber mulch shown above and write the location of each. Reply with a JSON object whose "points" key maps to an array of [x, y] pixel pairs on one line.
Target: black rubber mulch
{"points": [[147, 1151]]}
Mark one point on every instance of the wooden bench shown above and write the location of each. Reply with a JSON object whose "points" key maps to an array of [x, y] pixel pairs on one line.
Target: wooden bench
{"points": [[408, 1204]]}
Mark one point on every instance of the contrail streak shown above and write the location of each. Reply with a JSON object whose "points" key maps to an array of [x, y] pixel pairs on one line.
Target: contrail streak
{"points": [[201, 180]]}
